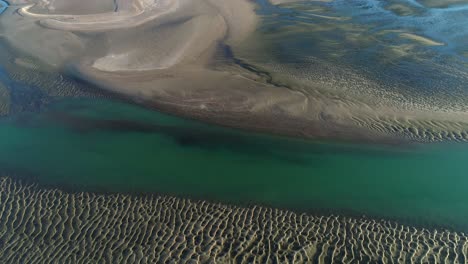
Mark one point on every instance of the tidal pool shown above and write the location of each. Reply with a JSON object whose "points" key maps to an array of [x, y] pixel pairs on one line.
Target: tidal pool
{"points": [[111, 146]]}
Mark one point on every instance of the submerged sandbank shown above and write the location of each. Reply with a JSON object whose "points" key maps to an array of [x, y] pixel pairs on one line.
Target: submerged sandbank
{"points": [[442, 3]]}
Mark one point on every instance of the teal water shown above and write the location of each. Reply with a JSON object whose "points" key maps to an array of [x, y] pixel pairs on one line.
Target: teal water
{"points": [[113, 146], [3, 6]]}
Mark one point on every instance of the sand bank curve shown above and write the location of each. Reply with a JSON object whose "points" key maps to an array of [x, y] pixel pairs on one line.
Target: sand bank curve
{"points": [[180, 56], [142, 11]]}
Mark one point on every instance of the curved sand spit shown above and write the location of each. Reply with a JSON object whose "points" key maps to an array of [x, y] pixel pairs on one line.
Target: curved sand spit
{"points": [[125, 14], [48, 225], [170, 54]]}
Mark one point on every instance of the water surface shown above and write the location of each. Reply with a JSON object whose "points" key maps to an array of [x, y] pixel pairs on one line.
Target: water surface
{"points": [[113, 146], [397, 53]]}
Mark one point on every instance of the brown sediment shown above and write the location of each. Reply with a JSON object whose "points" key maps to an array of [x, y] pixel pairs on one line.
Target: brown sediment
{"points": [[49, 225], [165, 54], [239, 102], [139, 13]]}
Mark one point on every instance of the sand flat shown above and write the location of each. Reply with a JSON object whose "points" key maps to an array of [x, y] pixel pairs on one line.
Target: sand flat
{"points": [[279, 2], [74, 7], [132, 16], [56, 226], [420, 39], [146, 46], [442, 3]]}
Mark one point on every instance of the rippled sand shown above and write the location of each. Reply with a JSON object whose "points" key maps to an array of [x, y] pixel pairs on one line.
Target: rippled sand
{"points": [[49, 225], [425, 101], [180, 56]]}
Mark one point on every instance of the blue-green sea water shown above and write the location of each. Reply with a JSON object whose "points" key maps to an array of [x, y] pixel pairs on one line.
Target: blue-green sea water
{"points": [[104, 145]]}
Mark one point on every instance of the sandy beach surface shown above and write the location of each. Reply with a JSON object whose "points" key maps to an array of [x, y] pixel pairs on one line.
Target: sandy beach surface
{"points": [[179, 56], [51, 225]]}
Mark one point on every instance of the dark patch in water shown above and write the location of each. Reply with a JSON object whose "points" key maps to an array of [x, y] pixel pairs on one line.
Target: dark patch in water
{"points": [[289, 150], [86, 125], [186, 138], [23, 98]]}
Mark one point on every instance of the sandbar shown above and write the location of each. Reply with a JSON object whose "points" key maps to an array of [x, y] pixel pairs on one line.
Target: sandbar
{"points": [[179, 56], [50, 225]]}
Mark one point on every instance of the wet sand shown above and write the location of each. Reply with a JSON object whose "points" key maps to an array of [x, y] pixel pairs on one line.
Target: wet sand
{"points": [[179, 56], [443, 3], [3, 6], [50, 225]]}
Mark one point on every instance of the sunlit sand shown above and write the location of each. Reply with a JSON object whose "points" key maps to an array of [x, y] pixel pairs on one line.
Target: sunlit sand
{"points": [[85, 227], [166, 54]]}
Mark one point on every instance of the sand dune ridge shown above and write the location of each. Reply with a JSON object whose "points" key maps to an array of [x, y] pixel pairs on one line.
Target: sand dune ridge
{"points": [[49, 225]]}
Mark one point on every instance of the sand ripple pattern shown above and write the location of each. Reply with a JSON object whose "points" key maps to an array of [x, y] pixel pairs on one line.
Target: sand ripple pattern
{"points": [[52, 226]]}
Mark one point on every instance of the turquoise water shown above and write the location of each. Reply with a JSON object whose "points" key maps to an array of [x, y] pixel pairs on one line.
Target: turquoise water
{"points": [[112, 146], [3, 6]]}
